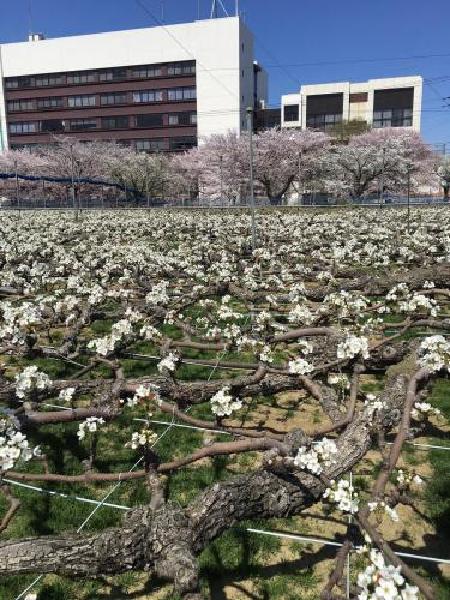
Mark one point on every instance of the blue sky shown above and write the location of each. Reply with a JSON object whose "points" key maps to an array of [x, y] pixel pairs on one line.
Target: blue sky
{"points": [[299, 41]]}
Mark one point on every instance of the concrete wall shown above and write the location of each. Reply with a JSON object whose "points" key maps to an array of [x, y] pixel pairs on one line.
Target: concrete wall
{"points": [[224, 66]]}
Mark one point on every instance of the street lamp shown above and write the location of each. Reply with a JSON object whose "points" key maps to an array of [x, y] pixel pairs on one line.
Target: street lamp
{"points": [[252, 188], [17, 188], [382, 179], [73, 183]]}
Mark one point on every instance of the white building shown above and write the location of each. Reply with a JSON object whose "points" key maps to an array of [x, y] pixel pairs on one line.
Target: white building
{"points": [[152, 87], [390, 102]]}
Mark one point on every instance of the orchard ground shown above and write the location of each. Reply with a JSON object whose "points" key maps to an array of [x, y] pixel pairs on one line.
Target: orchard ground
{"points": [[94, 300]]}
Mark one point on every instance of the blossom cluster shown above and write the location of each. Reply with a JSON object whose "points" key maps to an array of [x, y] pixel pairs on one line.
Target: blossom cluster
{"points": [[299, 366], [381, 506], [168, 363], [14, 446], [353, 346], [422, 410], [31, 379], [380, 581], [343, 494], [434, 353], [143, 392], [223, 404], [90, 425], [146, 437], [321, 454]]}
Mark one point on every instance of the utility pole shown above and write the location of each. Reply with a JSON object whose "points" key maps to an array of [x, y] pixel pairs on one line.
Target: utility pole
{"points": [[73, 183], [17, 188], [381, 192], [408, 192], [237, 8], [221, 179], [252, 187]]}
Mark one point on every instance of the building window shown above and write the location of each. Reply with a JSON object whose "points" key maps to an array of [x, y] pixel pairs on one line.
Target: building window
{"points": [[182, 143], [323, 122], [187, 93], [181, 69], [47, 80], [80, 101], [50, 103], [77, 78], [149, 121], [113, 75], [23, 127], [156, 145], [185, 118], [117, 98], [395, 117], [291, 112], [52, 126], [18, 105], [11, 84], [82, 124], [146, 72], [393, 107], [115, 122], [148, 96]]}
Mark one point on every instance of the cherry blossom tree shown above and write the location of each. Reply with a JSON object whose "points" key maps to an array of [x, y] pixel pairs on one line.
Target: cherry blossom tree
{"points": [[443, 172], [280, 158], [390, 153]]}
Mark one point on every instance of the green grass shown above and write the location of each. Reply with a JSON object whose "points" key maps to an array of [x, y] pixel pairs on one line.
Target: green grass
{"points": [[437, 492]]}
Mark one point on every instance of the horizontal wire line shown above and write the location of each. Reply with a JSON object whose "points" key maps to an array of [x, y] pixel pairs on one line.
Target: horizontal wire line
{"points": [[326, 542]]}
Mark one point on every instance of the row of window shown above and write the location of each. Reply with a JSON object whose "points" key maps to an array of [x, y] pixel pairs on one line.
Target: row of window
{"points": [[116, 122], [90, 100], [118, 74], [144, 145], [326, 121], [161, 145], [396, 117]]}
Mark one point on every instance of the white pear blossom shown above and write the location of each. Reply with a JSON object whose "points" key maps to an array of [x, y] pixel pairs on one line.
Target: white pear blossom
{"points": [[31, 379], [314, 459], [381, 581], [353, 346], [90, 425], [67, 394], [299, 366], [223, 404], [169, 362], [434, 353], [142, 438], [147, 391], [343, 494], [14, 446]]}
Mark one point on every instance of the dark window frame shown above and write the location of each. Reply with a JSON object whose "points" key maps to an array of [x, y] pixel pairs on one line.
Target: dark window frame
{"points": [[291, 113]]}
